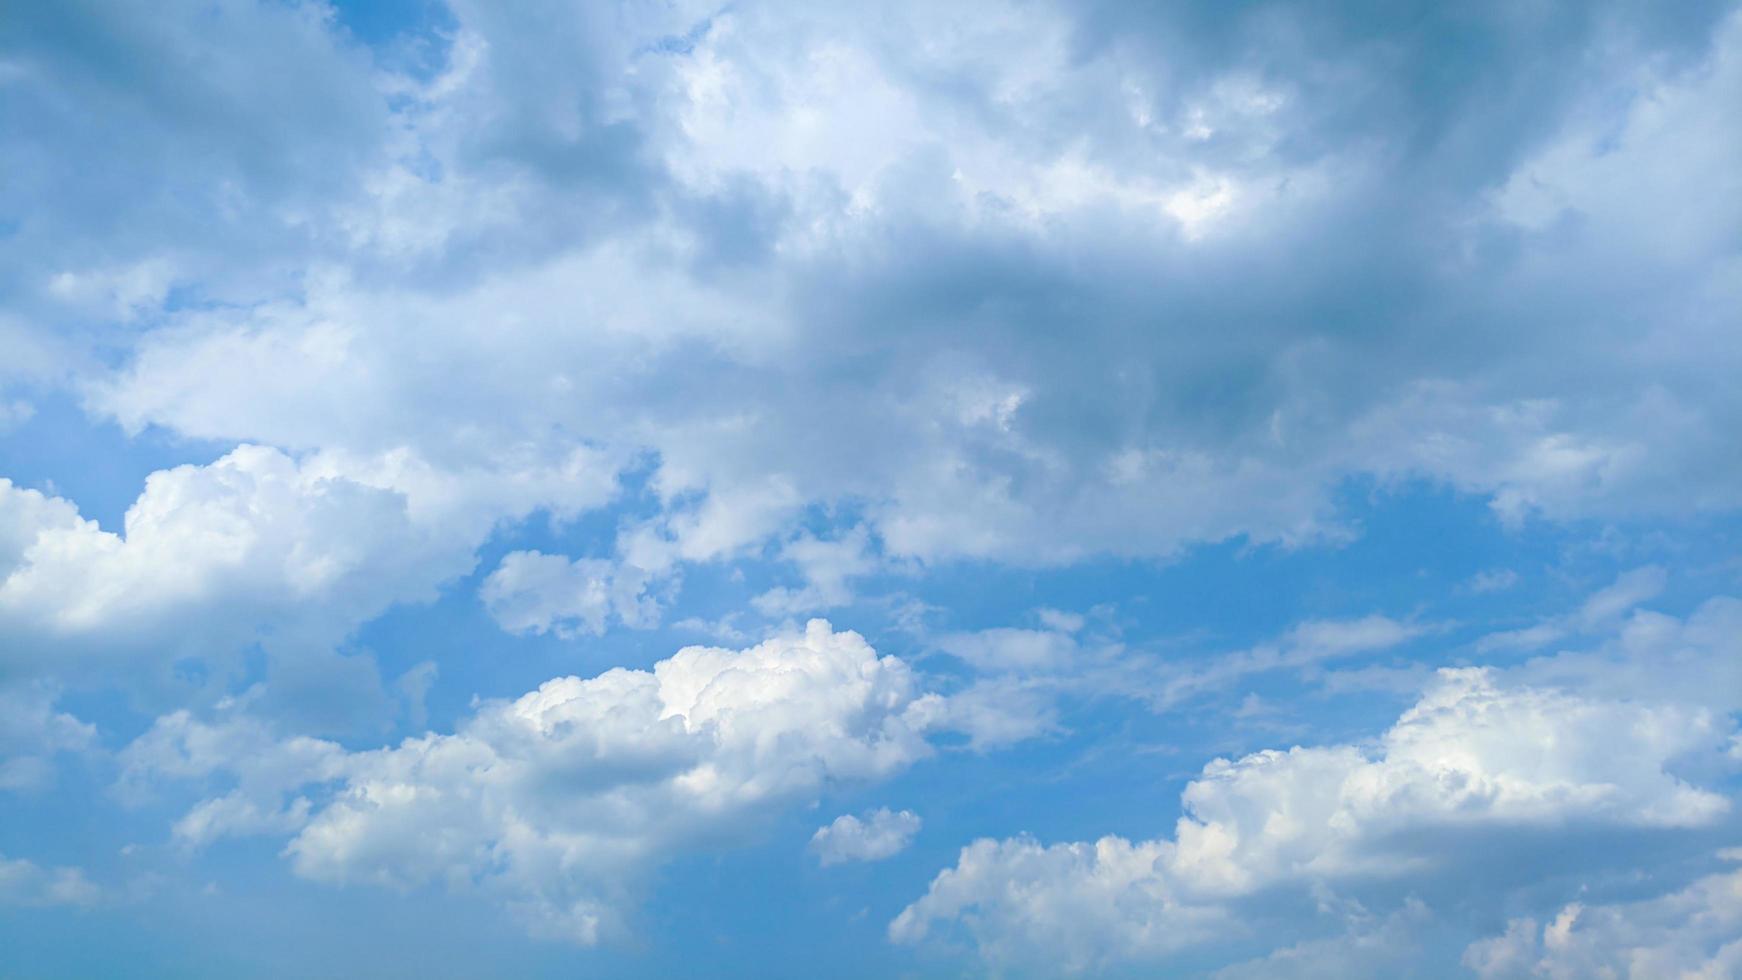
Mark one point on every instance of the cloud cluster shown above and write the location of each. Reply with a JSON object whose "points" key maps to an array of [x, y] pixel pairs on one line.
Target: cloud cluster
{"points": [[1474, 752], [861, 289], [262, 550], [557, 803], [1104, 297]]}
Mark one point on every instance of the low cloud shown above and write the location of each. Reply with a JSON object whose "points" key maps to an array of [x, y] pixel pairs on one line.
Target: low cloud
{"points": [[872, 836], [1476, 752], [559, 803]]}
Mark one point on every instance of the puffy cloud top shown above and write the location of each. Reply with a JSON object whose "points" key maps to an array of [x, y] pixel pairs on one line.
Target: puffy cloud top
{"points": [[879, 834], [559, 800], [1471, 753]]}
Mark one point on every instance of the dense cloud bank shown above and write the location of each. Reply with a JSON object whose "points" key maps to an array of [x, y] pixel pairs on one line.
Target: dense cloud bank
{"points": [[1121, 289]]}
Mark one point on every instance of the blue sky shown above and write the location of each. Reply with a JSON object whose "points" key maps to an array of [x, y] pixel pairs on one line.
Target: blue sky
{"points": [[990, 489]]}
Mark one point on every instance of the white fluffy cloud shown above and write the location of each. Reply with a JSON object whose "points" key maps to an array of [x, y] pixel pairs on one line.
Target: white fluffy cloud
{"points": [[1691, 934], [253, 529], [1474, 752], [558, 802], [873, 836], [1070, 905], [257, 547]]}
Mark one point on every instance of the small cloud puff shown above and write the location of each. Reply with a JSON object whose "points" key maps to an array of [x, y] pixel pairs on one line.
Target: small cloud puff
{"points": [[880, 834]]}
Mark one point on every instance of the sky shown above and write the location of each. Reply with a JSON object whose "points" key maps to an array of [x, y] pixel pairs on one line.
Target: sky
{"points": [[1010, 489]]}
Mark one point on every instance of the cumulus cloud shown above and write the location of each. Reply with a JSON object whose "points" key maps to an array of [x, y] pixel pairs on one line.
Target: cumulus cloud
{"points": [[1073, 905], [254, 524], [873, 836], [1474, 752], [259, 548], [557, 803], [1695, 932]]}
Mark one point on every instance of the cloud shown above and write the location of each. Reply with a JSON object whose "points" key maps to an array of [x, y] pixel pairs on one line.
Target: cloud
{"points": [[1073, 905], [224, 151], [1601, 610], [1689, 933], [1474, 753], [1492, 580], [26, 883], [877, 834], [1006, 649], [560, 802], [1021, 676], [1305, 647], [261, 768], [254, 524], [32, 734], [1609, 604], [532, 592], [1063, 281], [1649, 655], [1371, 946], [259, 548], [413, 688], [993, 713], [827, 566], [675, 249]]}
